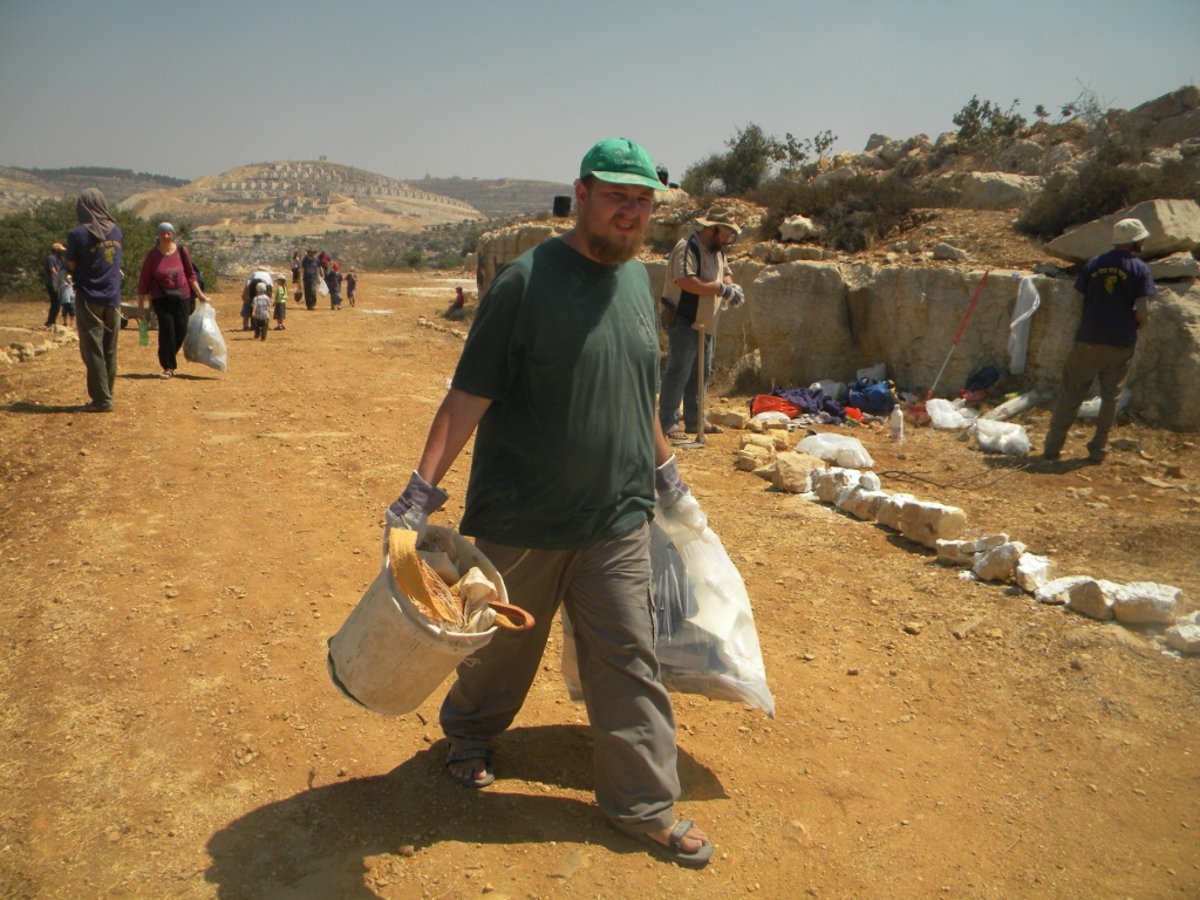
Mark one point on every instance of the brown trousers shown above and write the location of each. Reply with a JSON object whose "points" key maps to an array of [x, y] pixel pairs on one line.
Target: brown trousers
{"points": [[606, 590], [1085, 363]]}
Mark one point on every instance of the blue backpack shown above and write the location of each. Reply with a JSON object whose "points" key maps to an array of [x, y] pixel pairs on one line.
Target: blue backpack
{"points": [[876, 398]]}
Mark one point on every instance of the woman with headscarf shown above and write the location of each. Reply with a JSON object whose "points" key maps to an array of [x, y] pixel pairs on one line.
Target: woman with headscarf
{"points": [[94, 259], [52, 275], [169, 281]]}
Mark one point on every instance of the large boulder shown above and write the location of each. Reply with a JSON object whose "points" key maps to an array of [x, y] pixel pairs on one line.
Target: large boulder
{"points": [[998, 190], [1174, 225]]}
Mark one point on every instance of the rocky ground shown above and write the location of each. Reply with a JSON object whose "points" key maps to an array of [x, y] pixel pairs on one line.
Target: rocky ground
{"points": [[173, 570]]}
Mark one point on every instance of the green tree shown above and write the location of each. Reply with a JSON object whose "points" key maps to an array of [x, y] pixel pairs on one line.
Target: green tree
{"points": [[983, 126], [752, 153]]}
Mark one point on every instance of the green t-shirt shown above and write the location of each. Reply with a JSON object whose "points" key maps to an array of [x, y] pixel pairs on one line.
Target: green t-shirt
{"points": [[567, 351]]}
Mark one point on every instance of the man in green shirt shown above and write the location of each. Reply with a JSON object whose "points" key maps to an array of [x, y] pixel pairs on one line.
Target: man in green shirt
{"points": [[558, 376]]}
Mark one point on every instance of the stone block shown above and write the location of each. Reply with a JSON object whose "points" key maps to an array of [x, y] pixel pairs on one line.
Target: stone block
{"points": [[859, 502], [924, 521], [999, 563], [793, 472], [729, 418], [1093, 597], [890, 509], [1146, 602], [826, 483], [1057, 591], [1033, 572], [752, 457], [1184, 637]]}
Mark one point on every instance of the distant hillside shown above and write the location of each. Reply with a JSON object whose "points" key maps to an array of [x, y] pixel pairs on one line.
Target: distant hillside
{"points": [[498, 198], [116, 184]]}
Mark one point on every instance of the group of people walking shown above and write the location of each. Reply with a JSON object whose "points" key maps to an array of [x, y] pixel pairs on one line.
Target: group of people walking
{"points": [[315, 268]]}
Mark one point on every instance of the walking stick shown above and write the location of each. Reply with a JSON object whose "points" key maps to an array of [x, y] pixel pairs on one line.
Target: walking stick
{"points": [[959, 333]]}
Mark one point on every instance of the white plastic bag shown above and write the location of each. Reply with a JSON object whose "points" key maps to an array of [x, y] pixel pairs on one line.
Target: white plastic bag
{"points": [[1008, 438], [839, 449], [322, 288], [1026, 305], [707, 643], [1015, 406], [945, 415], [203, 342], [1090, 409]]}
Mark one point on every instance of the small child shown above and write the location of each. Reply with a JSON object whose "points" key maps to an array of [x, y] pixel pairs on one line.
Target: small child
{"points": [[351, 284], [280, 304], [66, 299], [260, 313]]}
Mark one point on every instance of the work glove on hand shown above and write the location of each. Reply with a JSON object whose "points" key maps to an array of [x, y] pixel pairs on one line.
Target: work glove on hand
{"points": [[668, 484], [413, 508], [739, 296], [728, 291]]}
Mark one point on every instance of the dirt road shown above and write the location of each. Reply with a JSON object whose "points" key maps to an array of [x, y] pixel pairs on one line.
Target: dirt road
{"points": [[173, 570]]}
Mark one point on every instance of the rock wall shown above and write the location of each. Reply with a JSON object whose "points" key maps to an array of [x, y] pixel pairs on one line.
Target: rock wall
{"points": [[820, 319]]}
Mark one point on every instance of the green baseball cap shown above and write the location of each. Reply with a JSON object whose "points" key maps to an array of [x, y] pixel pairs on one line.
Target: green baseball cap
{"points": [[621, 161]]}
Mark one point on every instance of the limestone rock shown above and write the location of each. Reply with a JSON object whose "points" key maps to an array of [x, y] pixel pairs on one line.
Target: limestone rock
{"points": [[1177, 265], [1057, 591], [962, 552], [793, 471], [752, 457], [827, 483], [1184, 637], [860, 502], [999, 564], [729, 418], [1174, 225], [890, 510], [999, 190], [1145, 602], [1093, 597], [942, 250], [797, 228], [924, 521], [1033, 572]]}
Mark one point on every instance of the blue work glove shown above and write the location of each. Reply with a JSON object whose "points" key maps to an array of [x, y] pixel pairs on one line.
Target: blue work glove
{"points": [[413, 508], [728, 291], [668, 484]]}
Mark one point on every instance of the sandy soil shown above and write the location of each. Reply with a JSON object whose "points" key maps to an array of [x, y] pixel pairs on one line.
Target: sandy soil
{"points": [[173, 570]]}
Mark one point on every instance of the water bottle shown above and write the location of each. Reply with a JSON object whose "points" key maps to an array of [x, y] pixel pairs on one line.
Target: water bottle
{"points": [[144, 330], [896, 425]]}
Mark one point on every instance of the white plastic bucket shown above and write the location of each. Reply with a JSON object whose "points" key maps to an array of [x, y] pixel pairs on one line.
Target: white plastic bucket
{"points": [[387, 656]]}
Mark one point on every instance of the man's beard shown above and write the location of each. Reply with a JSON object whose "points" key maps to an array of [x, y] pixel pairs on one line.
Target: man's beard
{"points": [[613, 251]]}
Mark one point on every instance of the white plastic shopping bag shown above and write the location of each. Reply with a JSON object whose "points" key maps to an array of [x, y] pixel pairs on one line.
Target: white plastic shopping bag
{"points": [[204, 342], [707, 643]]}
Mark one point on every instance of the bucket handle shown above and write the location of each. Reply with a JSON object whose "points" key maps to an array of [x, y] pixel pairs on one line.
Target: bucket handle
{"points": [[512, 618]]}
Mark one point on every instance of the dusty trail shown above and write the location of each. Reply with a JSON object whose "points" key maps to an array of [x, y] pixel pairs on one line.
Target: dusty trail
{"points": [[172, 571]]}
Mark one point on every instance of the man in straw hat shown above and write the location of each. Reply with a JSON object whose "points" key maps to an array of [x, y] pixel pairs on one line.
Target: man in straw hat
{"points": [[697, 274], [557, 380], [1116, 288]]}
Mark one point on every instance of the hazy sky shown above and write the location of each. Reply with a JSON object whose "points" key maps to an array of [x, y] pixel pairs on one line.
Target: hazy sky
{"points": [[489, 88]]}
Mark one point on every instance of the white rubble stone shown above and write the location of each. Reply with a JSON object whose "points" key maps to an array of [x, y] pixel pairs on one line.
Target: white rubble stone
{"points": [[999, 564], [861, 503], [955, 553], [1184, 637], [1056, 592], [751, 457], [793, 472], [1174, 225], [870, 482], [998, 190], [797, 228], [1177, 265], [758, 440], [827, 483], [942, 250], [767, 472], [1033, 572], [729, 418], [924, 521], [1093, 597], [890, 509], [1146, 602]]}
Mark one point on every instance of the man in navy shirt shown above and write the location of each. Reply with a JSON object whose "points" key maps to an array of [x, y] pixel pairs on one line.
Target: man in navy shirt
{"points": [[1116, 288], [94, 259]]}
